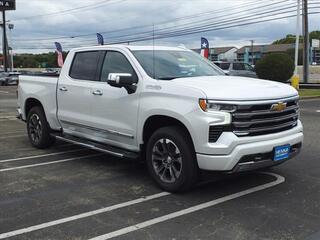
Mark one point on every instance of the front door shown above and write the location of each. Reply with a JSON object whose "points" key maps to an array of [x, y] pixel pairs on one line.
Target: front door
{"points": [[114, 111]]}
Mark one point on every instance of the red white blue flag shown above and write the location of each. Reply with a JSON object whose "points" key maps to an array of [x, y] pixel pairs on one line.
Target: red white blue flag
{"points": [[100, 39], [59, 54], [204, 47]]}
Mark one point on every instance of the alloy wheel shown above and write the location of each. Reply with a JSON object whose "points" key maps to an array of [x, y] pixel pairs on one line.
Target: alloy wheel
{"points": [[35, 128], [166, 160]]}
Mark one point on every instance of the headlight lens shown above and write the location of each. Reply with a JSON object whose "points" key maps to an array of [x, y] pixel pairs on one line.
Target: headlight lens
{"points": [[212, 106]]}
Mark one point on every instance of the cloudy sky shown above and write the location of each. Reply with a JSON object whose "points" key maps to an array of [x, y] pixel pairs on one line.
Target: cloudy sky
{"points": [[39, 23]]}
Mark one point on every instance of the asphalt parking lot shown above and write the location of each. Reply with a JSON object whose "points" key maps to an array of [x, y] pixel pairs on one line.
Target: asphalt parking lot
{"points": [[67, 192]]}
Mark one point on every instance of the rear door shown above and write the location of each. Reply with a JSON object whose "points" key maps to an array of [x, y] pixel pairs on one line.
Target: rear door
{"points": [[74, 93]]}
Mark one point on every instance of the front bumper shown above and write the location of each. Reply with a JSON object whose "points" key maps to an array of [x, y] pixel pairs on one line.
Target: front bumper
{"points": [[258, 161], [19, 113], [263, 146]]}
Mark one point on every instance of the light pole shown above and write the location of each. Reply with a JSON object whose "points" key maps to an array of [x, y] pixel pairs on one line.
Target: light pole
{"points": [[4, 42], [11, 26], [252, 54]]}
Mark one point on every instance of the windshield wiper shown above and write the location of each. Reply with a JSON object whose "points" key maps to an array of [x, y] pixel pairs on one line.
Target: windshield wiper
{"points": [[168, 78]]}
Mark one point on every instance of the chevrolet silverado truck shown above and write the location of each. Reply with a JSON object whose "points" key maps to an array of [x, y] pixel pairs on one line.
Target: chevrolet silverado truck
{"points": [[166, 105]]}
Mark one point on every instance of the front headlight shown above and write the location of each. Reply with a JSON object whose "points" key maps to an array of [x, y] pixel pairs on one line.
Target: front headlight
{"points": [[206, 106]]}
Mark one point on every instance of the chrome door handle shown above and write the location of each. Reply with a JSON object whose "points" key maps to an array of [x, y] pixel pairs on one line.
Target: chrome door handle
{"points": [[97, 92], [63, 89]]}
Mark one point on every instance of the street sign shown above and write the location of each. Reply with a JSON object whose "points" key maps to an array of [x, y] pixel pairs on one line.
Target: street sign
{"points": [[315, 43], [7, 5]]}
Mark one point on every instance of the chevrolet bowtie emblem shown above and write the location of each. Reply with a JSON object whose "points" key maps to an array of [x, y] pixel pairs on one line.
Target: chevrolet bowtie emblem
{"points": [[278, 107]]}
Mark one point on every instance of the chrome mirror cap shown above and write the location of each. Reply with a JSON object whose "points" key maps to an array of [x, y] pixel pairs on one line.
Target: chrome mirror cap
{"points": [[115, 77]]}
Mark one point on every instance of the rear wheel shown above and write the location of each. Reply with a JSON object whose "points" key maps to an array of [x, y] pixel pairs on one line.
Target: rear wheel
{"points": [[171, 159], [38, 128]]}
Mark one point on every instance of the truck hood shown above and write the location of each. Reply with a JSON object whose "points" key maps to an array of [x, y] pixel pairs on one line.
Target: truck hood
{"points": [[238, 88]]}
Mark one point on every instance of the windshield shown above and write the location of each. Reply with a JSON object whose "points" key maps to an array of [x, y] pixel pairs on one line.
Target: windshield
{"points": [[168, 64]]}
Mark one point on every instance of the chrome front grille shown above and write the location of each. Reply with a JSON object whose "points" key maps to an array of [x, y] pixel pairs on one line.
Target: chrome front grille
{"points": [[259, 119]]}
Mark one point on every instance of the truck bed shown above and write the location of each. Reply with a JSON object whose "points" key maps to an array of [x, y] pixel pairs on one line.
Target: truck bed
{"points": [[43, 88]]}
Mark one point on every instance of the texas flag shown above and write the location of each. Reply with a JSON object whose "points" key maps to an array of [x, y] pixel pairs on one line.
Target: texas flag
{"points": [[59, 54], [204, 47]]}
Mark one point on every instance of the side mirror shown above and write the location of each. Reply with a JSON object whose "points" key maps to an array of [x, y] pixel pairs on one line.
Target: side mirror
{"points": [[125, 80]]}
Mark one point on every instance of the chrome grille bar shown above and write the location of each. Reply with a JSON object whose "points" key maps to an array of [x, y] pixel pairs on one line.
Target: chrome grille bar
{"points": [[258, 119]]}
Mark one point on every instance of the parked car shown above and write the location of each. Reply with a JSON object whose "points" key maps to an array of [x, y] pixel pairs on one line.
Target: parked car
{"points": [[9, 78], [237, 69], [52, 70], [166, 105]]}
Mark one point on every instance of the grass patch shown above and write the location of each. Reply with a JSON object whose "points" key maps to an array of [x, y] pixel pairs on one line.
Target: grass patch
{"points": [[309, 92]]}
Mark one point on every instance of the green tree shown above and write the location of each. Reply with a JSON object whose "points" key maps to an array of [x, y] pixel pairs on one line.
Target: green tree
{"points": [[290, 38], [37, 60], [276, 67], [291, 53], [314, 35]]}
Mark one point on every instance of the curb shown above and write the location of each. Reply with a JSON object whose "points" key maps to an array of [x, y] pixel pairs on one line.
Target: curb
{"points": [[311, 97]]}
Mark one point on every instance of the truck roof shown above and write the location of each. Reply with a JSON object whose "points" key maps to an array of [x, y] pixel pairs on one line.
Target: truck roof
{"points": [[131, 47]]}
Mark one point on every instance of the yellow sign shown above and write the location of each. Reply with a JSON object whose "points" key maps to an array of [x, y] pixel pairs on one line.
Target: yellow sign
{"points": [[295, 81]]}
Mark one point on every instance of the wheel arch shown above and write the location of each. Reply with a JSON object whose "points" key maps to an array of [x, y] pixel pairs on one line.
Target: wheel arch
{"points": [[154, 122], [30, 103]]}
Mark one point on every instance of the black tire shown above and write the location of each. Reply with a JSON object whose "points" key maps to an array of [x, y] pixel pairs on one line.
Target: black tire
{"points": [[182, 176], [39, 129]]}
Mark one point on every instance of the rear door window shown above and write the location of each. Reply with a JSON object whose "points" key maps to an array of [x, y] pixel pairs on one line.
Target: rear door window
{"points": [[85, 65], [224, 66], [238, 66]]}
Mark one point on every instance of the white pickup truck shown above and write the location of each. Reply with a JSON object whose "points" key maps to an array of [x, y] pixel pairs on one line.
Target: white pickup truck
{"points": [[167, 105]]}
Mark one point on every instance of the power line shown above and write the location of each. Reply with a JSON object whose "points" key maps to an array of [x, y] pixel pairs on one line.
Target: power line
{"points": [[189, 33], [204, 28], [70, 10], [143, 26], [219, 21], [227, 21]]}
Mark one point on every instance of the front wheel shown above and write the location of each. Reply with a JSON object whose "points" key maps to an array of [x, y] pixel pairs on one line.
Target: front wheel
{"points": [[171, 159], [38, 128]]}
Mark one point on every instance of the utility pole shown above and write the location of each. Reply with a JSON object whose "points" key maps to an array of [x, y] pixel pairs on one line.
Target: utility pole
{"points": [[4, 42], [305, 42], [252, 54], [6, 5], [295, 78], [11, 26]]}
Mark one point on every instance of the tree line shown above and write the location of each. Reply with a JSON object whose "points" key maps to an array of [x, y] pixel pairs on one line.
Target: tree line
{"points": [[41, 60]]}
